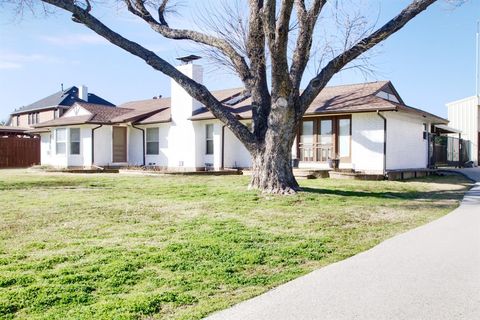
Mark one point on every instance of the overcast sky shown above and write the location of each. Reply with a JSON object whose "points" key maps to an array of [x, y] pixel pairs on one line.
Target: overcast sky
{"points": [[430, 62]]}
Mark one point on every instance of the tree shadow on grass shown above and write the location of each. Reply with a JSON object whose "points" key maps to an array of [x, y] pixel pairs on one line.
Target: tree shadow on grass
{"points": [[402, 195], [54, 184]]}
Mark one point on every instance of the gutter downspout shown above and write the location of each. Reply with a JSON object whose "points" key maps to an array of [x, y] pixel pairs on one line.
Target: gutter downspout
{"points": [[143, 140], [384, 142], [223, 148], [93, 143]]}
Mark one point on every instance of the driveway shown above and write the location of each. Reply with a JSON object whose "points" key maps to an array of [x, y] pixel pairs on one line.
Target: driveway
{"points": [[431, 272]]}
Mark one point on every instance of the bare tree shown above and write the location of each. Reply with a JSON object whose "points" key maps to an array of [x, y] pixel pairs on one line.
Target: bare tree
{"points": [[261, 55]]}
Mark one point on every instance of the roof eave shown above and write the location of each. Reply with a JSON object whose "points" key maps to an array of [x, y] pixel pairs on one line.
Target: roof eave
{"points": [[15, 113], [152, 122]]}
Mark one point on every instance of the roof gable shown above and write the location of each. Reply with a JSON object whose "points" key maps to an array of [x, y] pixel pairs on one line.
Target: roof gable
{"points": [[83, 112], [65, 98], [77, 110]]}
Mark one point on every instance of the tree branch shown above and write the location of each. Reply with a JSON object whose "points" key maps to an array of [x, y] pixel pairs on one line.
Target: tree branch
{"points": [[161, 13], [261, 100], [307, 21], [137, 7], [196, 90], [336, 64], [281, 85]]}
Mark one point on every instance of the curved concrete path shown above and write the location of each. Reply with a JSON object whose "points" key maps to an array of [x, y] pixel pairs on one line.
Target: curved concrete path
{"points": [[431, 272]]}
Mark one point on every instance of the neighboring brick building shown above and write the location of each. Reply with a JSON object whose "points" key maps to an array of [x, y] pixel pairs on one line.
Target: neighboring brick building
{"points": [[53, 106]]}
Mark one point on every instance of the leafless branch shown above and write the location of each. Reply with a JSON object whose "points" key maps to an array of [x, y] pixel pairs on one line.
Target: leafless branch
{"points": [[336, 64]]}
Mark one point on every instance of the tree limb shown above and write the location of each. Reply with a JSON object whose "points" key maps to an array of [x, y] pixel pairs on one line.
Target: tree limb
{"points": [[261, 100], [307, 21], [196, 90], [137, 7], [281, 85], [336, 64], [161, 13]]}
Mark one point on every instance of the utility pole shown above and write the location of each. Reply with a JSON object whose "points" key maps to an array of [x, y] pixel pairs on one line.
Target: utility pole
{"points": [[477, 63]]}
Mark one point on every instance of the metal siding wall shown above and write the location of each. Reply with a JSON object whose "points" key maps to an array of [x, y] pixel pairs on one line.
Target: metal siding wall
{"points": [[464, 115]]}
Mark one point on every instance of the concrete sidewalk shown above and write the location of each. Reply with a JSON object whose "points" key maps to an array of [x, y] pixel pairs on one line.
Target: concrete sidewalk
{"points": [[431, 272]]}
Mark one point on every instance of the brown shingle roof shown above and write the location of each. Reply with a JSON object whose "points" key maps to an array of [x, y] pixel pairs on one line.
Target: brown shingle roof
{"points": [[351, 98], [222, 95], [102, 114], [146, 104], [335, 99], [332, 100], [143, 109], [164, 115]]}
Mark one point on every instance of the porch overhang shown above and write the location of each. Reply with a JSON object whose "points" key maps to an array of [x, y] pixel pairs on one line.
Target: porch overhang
{"points": [[442, 128]]}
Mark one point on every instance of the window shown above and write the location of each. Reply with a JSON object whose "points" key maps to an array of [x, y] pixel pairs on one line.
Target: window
{"points": [[33, 118], [209, 138], [152, 141], [55, 114], [344, 138], [18, 121], [325, 138], [75, 141], [306, 141], [61, 141]]}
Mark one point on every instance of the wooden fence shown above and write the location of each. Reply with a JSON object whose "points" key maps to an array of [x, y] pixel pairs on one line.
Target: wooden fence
{"points": [[19, 152]]}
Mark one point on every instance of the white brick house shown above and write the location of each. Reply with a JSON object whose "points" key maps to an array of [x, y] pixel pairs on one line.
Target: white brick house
{"points": [[366, 125]]}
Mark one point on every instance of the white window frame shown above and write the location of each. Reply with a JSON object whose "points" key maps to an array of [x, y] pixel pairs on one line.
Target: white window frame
{"points": [[157, 141], [70, 141], [59, 142], [209, 139]]}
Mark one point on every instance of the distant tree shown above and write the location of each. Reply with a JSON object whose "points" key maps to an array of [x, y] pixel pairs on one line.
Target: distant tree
{"points": [[269, 50]]}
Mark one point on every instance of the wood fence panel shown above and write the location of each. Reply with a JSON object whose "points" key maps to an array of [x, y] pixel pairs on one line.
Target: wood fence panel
{"points": [[19, 152]]}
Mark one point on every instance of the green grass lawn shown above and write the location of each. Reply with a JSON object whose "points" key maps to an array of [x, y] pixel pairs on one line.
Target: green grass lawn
{"points": [[140, 247]]}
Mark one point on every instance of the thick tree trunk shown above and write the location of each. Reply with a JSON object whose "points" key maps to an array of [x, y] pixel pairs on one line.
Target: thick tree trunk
{"points": [[271, 163], [272, 171]]}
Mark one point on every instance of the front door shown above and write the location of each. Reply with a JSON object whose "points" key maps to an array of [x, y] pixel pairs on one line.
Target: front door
{"points": [[119, 144]]}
